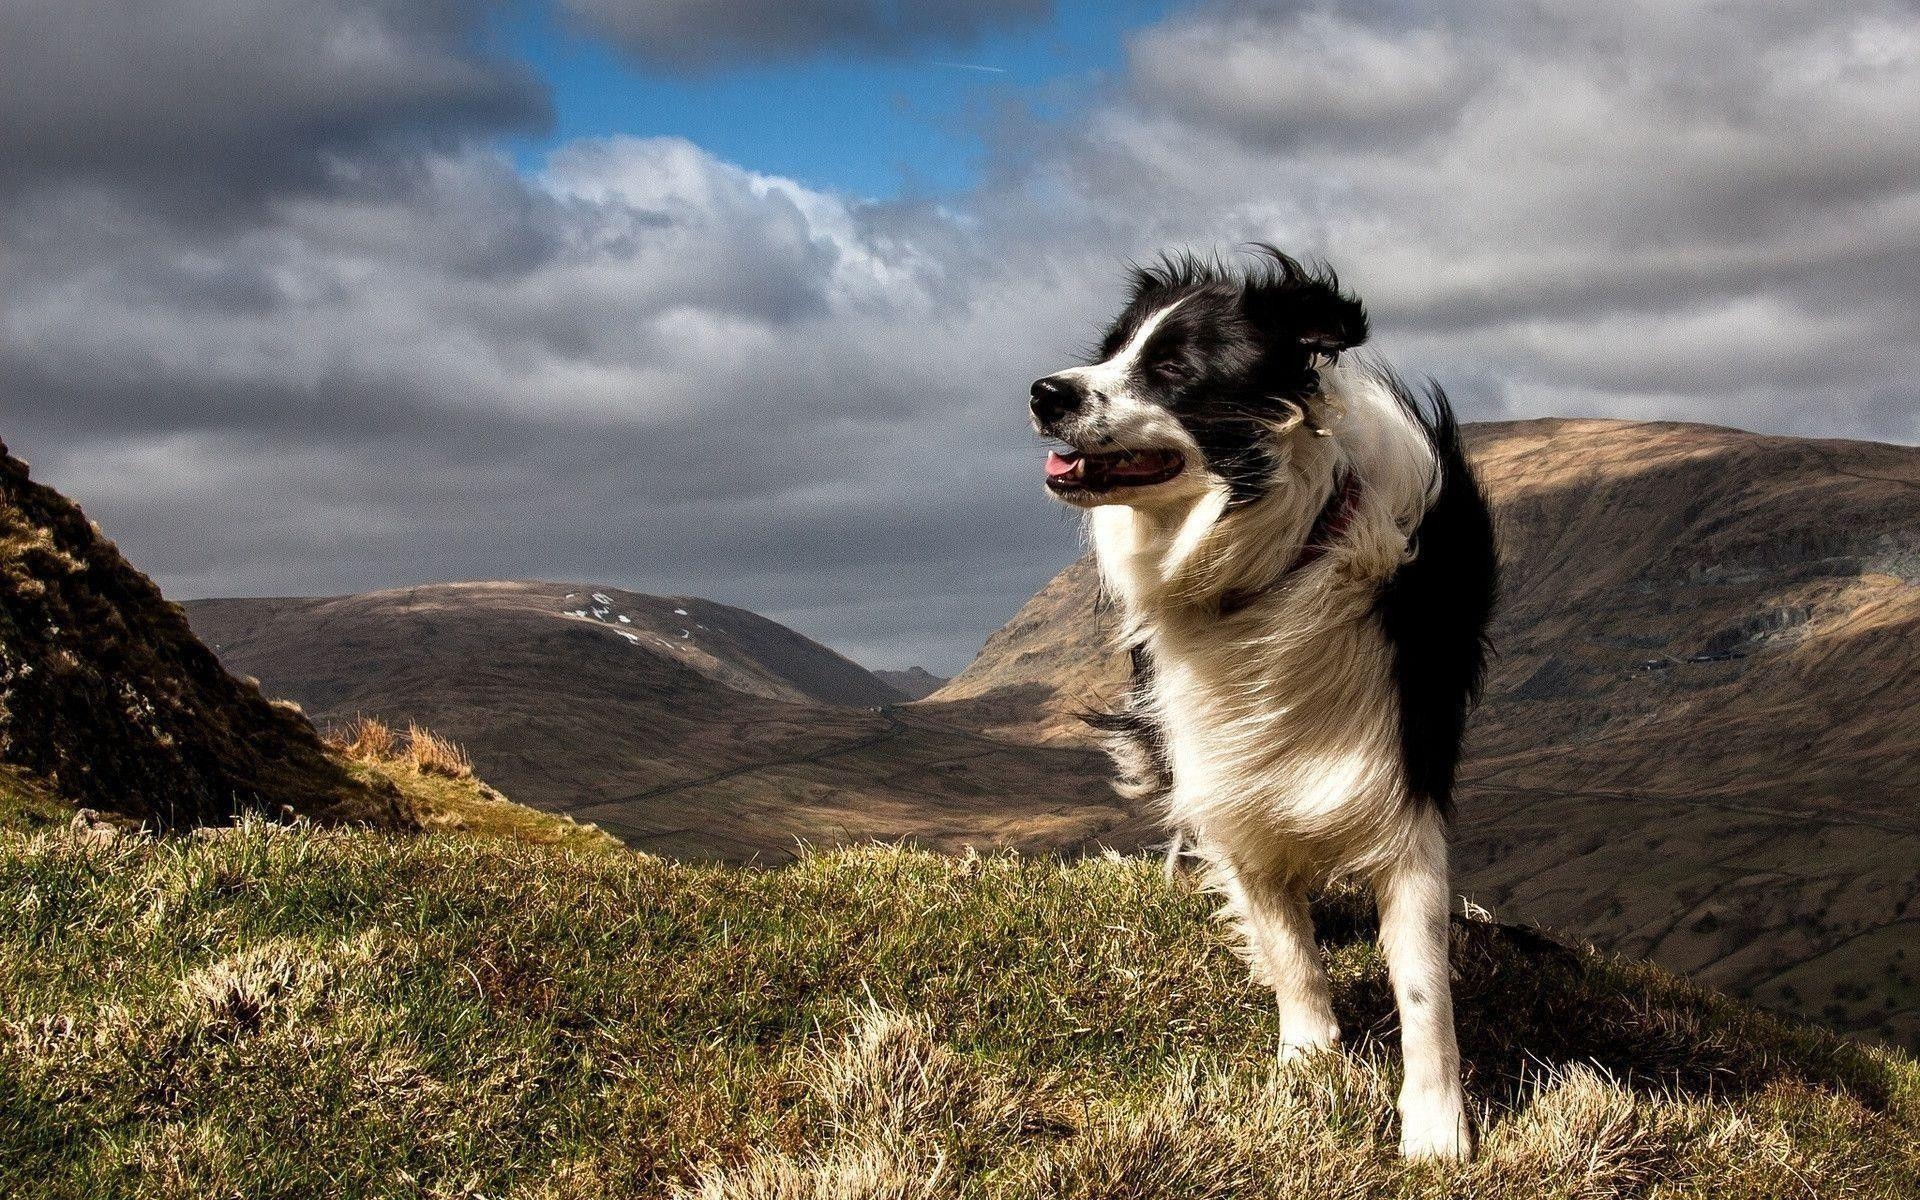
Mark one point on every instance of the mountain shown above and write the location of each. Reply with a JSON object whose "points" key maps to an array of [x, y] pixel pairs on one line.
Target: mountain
{"points": [[915, 683], [1052, 662], [679, 725], [107, 699], [732, 647], [1698, 742]]}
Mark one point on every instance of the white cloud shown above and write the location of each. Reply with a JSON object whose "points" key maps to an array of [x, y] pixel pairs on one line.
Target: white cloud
{"points": [[1627, 204], [1307, 78], [650, 366]]}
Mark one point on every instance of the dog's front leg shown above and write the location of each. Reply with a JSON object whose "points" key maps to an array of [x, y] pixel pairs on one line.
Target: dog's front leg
{"points": [[1279, 933], [1413, 896]]}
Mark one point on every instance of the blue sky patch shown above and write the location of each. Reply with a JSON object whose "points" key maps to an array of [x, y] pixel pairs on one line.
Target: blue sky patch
{"points": [[908, 127]]}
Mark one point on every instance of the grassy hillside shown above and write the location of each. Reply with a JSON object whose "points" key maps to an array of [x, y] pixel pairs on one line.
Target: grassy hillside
{"points": [[440, 792], [26, 802], [267, 1011]]}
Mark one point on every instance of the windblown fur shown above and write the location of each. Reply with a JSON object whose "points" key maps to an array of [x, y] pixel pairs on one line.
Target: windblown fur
{"points": [[1303, 567]]}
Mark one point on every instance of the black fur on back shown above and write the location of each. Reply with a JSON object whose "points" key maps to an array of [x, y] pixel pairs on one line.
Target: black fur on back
{"points": [[1435, 609]]}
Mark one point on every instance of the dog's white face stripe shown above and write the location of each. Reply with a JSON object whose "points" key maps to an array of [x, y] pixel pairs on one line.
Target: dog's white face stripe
{"points": [[1109, 378], [1119, 416]]}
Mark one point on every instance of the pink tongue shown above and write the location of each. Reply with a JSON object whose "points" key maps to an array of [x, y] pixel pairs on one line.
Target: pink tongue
{"points": [[1059, 464]]}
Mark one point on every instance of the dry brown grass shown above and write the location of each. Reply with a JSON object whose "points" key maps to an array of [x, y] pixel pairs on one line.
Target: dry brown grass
{"points": [[436, 781], [372, 742], [365, 740], [237, 995], [436, 755], [301, 1011], [908, 1118]]}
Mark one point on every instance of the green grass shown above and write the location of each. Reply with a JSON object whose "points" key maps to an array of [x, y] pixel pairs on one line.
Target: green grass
{"points": [[27, 803], [440, 792], [464, 804], [304, 1012]]}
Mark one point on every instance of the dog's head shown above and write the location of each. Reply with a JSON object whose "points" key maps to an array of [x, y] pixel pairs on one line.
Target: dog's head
{"points": [[1197, 385]]}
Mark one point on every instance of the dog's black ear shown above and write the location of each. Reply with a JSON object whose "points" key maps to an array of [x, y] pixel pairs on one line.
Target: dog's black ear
{"points": [[1306, 306]]}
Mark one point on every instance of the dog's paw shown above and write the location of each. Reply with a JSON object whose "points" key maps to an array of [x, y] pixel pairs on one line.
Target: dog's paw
{"points": [[1301, 1038], [1435, 1128]]}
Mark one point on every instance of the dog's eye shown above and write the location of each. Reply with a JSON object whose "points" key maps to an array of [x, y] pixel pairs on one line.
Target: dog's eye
{"points": [[1173, 370]]}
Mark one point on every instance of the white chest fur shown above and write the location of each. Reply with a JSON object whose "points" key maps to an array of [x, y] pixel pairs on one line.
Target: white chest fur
{"points": [[1281, 721]]}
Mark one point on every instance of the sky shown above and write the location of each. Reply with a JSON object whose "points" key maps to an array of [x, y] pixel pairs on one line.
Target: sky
{"points": [[741, 301]]}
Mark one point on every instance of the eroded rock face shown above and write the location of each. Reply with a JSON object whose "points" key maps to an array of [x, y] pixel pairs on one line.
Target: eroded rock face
{"points": [[107, 695]]}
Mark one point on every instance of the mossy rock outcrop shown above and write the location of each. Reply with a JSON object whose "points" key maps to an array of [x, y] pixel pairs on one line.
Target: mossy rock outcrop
{"points": [[108, 697]]}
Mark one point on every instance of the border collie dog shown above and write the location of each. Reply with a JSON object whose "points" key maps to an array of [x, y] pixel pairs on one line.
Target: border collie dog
{"points": [[1303, 567]]}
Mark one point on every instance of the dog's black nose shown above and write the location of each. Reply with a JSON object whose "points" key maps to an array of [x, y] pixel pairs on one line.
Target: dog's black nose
{"points": [[1053, 398]]}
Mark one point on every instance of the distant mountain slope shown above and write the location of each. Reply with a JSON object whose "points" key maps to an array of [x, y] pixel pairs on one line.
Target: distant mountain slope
{"points": [[108, 700], [1053, 661], [740, 649], [1700, 740], [690, 728], [915, 683]]}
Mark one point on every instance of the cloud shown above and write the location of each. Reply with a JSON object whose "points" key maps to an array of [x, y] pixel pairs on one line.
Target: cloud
{"points": [[702, 35], [1640, 210], [210, 107], [1310, 78], [369, 351], [647, 365]]}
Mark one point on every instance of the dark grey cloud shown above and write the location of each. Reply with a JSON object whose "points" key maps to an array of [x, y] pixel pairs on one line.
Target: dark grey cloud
{"points": [[647, 366], [217, 104], [700, 35]]}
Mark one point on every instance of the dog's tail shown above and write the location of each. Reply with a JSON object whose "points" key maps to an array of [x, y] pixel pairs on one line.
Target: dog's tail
{"points": [[1437, 606]]}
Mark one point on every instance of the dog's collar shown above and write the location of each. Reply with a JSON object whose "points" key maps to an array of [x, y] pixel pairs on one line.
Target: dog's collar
{"points": [[1332, 523]]}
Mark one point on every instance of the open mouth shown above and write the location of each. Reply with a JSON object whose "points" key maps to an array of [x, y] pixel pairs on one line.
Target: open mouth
{"points": [[1077, 471]]}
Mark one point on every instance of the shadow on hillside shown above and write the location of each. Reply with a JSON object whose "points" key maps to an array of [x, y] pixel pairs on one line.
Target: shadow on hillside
{"points": [[1012, 708], [1528, 1006]]}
